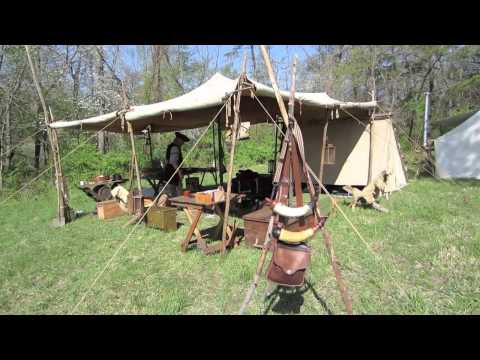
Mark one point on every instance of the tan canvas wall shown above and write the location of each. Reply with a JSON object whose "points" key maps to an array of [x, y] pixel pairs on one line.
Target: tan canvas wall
{"points": [[352, 142], [385, 154], [351, 151]]}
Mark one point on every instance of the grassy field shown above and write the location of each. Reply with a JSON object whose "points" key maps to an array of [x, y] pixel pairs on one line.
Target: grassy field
{"points": [[427, 261]]}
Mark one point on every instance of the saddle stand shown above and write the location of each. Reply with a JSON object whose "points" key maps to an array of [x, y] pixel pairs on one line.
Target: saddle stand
{"points": [[291, 253]]}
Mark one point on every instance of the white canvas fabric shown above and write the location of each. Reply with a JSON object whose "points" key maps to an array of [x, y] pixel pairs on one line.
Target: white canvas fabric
{"points": [[354, 145], [457, 153], [210, 94]]}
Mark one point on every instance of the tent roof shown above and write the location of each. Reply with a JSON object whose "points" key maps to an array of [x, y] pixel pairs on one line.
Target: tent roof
{"points": [[196, 108], [442, 127]]}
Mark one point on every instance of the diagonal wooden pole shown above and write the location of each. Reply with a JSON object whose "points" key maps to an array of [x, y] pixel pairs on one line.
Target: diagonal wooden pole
{"points": [[63, 211], [322, 156], [139, 212], [271, 74], [235, 127], [266, 243], [338, 274]]}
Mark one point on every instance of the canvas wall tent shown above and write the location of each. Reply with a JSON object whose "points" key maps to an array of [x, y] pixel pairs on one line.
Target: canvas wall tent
{"points": [[457, 152], [358, 155]]}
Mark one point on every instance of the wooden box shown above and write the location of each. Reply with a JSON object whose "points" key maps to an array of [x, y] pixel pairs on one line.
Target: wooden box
{"points": [[163, 218], [210, 196], [109, 209], [256, 225], [135, 202]]}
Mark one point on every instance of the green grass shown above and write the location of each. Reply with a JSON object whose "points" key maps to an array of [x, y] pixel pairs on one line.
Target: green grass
{"points": [[427, 261]]}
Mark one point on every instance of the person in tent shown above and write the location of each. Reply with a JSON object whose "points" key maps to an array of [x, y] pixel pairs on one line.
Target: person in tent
{"points": [[173, 160]]}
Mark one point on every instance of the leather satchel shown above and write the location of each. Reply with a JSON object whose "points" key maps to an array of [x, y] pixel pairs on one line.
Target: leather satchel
{"points": [[288, 264]]}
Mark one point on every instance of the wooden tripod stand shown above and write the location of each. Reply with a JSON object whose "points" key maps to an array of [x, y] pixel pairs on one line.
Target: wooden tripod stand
{"points": [[292, 153]]}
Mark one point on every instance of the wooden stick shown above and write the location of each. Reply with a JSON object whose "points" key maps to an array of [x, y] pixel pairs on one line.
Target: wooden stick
{"points": [[291, 101], [338, 275], [197, 232], [258, 272], [235, 127], [273, 80], [324, 144], [61, 182], [134, 154], [370, 155], [220, 152], [62, 207]]}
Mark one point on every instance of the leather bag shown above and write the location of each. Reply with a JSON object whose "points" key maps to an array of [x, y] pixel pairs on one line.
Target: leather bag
{"points": [[288, 264]]}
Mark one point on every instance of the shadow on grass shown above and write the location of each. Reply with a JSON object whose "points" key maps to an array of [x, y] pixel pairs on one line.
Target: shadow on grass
{"points": [[290, 300]]}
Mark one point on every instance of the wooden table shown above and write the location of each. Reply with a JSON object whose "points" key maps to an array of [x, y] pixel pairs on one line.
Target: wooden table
{"points": [[155, 178], [194, 211], [203, 171]]}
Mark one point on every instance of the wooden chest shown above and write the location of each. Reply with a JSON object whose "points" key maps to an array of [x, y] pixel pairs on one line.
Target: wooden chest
{"points": [[135, 202], [109, 209], [163, 218], [256, 225], [210, 196]]}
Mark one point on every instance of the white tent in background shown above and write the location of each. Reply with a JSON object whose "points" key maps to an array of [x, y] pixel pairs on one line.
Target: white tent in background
{"points": [[457, 153], [360, 145]]}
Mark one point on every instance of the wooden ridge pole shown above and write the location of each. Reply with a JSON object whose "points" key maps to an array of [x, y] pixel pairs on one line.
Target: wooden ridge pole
{"points": [[235, 127], [63, 210]]}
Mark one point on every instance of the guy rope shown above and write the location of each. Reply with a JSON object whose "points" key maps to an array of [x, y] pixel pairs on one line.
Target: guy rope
{"points": [[146, 212], [51, 166]]}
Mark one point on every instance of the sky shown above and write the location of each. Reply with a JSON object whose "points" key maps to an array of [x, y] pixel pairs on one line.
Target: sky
{"points": [[278, 52]]}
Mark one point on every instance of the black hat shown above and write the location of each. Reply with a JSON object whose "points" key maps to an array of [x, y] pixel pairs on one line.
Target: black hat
{"points": [[181, 136]]}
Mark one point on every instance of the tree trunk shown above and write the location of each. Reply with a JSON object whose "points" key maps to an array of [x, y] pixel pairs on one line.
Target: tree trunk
{"points": [[1, 156], [254, 64], [410, 126], [37, 141], [8, 139], [157, 54], [101, 136]]}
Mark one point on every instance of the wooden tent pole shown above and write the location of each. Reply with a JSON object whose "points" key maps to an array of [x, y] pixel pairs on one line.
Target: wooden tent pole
{"points": [[220, 151], [134, 155], [63, 211], [324, 145], [235, 127], [61, 182], [370, 158]]}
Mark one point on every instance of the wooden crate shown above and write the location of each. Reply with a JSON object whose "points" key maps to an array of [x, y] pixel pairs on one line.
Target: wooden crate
{"points": [[109, 209], [210, 196], [136, 202], [256, 225], [163, 218]]}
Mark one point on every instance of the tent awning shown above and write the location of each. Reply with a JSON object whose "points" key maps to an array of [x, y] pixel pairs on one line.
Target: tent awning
{"points": [[196, 108]]}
